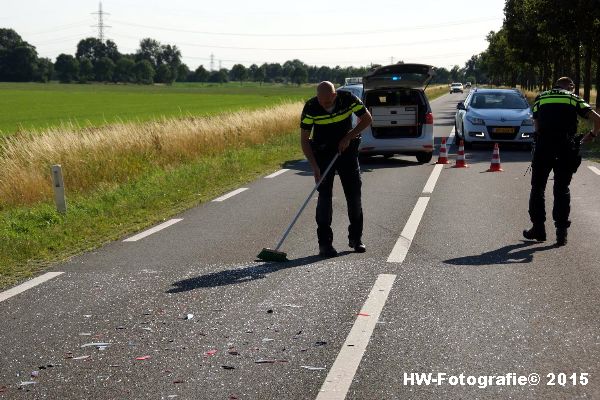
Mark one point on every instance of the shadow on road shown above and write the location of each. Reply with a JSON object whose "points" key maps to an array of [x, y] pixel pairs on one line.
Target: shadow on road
{"points": [[504, 255], [244, 274]]}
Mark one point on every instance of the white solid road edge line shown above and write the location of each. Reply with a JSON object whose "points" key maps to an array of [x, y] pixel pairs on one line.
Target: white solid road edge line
{"points": [[153, 230], [230, 194], [401, 247], [433, 178], [274, 174], [594, 169], [28, 285], [344, 368]]}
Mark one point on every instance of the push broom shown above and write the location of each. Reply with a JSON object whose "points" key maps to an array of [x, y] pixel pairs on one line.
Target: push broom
{"points": [[274, 254]]}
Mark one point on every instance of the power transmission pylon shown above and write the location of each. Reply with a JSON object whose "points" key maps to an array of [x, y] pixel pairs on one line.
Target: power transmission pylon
{"points": [[100, 25]]}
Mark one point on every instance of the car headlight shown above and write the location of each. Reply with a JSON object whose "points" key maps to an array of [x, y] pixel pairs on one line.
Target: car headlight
{"points": [[476, 121], [527, 122]]}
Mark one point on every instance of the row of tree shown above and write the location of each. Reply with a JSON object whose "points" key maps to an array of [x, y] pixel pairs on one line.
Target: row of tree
{"points": [[100, 61], [540, 41]]}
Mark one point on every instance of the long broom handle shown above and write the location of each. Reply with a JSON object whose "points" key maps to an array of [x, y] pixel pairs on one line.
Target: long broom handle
{"points": [[287, 231]]}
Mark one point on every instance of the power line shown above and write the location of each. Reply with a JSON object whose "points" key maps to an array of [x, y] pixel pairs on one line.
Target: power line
{"points": [[405, 28], [369, 46]]}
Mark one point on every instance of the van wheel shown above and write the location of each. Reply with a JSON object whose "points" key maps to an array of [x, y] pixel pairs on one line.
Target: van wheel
{"points": [[424, 157]]}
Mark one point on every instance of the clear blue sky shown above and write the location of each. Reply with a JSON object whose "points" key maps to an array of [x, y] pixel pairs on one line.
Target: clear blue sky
{"points": [[438, 32]]}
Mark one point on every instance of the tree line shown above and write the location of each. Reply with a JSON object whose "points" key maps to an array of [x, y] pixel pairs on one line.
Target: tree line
{"points": [[153, 62], [540, 41]]}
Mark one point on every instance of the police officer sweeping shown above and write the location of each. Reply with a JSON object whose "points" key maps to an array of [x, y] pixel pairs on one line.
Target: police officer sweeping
{"points": [[556, 149], [329, 117]]}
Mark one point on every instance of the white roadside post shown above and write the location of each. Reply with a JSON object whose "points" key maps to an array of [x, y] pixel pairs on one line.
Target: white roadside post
{"points": [[59, 189]]}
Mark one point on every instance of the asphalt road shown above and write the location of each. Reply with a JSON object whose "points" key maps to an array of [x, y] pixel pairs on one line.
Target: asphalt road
{"points": [[208, 321]]}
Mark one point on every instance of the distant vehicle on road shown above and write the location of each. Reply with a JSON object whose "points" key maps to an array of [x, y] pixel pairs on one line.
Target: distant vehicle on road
{"points": [[494, 115], [456, 87], [402, 118], [468, 85]]}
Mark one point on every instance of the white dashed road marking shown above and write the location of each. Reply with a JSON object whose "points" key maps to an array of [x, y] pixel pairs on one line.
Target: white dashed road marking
{"points": [[594, 170], [274, 174], [152, 230], [344, 368], [435, 174], [400, 250], [230, 194], [28, 285]]}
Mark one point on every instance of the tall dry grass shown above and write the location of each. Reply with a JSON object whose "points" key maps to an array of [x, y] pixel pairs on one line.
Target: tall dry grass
{"points": [[593, 96], [96, 157]]}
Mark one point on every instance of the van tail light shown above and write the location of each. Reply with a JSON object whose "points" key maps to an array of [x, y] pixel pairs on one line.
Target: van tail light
{"points": [[429, 119]]}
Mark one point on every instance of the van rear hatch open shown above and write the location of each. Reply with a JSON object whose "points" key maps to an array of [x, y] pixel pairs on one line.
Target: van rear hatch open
{"points": [[393, 96], [410, 76]]}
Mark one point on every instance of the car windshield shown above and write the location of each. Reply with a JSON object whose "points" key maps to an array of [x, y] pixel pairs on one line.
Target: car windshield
{"points": [[498, 100]]}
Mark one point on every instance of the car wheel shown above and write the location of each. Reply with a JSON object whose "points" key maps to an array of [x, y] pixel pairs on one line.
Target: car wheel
{"points": [[424, 157]]}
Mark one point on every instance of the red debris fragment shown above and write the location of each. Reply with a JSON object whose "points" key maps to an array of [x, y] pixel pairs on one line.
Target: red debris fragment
{"points": [[142, 358], [210, 353], [362, 314]]}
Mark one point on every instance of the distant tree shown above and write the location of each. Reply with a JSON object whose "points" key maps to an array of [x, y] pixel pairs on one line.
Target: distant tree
{"points": [[260, 74], [104, 69], [91, 48], [124, 70], [164, 74], [112, 51], [21, 63], [273, 72], [201, 74], [86, 70], [18, 59], [9, 39], [144, 72], [44, 70], [238, 73], [150, 51], [183, 73], [218, 76], [67, 68], [299, 75]]}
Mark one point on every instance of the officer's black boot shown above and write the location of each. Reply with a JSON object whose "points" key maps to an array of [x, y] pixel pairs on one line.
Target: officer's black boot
{"points": [[561, 236], [537, 232]]}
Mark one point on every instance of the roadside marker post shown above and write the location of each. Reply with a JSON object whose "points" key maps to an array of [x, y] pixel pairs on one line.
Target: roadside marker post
{"points": [[59, 189]]}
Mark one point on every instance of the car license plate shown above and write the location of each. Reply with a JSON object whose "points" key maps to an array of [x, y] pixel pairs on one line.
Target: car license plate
{"points": [[504, 130]]}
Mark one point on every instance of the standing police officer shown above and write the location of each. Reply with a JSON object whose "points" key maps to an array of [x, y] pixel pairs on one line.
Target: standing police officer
{"points": [[329, 116], [555, 115]]}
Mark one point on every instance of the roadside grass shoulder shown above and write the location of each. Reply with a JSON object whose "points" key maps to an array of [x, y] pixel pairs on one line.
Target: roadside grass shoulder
{"points": [[34, 237]]}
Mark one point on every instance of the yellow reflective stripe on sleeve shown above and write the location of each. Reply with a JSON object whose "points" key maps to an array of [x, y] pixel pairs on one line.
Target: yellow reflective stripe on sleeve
{"points": [[535, 107], [357, 107], [583, 104], [307, 121], [333, 120]]}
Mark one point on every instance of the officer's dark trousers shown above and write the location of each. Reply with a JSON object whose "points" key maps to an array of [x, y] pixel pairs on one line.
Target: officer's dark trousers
{"points": [[348, 170], [542, 164]]}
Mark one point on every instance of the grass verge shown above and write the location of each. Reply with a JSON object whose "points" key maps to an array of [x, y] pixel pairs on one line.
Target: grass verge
{"points": [[31, 238]]}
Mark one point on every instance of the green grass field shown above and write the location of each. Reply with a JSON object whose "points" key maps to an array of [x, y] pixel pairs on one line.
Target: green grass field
{"points": [[36, 106]]}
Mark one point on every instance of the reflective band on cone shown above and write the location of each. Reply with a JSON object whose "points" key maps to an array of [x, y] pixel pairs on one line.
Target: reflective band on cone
{"points": [[495, 165], [443, 158], [460, 158]]}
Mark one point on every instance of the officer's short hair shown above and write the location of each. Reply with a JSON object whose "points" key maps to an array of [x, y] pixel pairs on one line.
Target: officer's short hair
{"points": [[565, 81]]}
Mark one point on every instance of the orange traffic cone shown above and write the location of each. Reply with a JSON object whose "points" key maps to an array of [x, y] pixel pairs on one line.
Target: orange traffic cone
{"points": [[495, 166], [443, 158], [460, 158]]}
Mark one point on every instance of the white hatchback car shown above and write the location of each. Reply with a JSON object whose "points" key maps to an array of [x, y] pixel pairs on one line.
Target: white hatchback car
{"points": [[402, 118]]}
